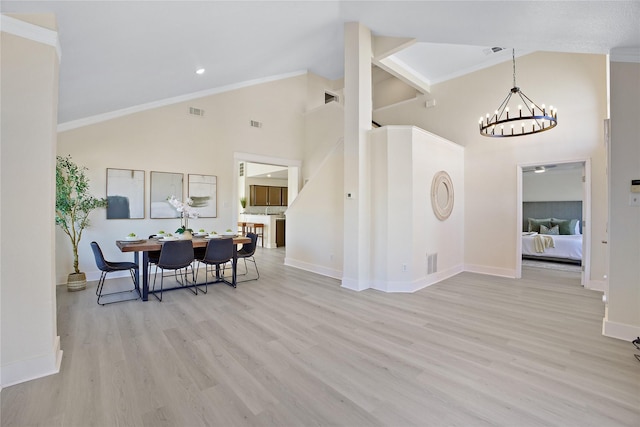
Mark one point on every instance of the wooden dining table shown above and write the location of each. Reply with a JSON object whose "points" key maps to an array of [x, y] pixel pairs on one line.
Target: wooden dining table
{"points": [[145, 246]]}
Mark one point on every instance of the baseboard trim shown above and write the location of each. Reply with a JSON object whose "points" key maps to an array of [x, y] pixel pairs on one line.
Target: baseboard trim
{"points": [[596, 285], [314, 268], [416, 285], [31, 369], [491, 271], [621, 331]]}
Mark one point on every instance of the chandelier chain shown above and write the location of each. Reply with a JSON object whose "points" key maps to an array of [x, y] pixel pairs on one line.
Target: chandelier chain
{"points": [[513, 60]]}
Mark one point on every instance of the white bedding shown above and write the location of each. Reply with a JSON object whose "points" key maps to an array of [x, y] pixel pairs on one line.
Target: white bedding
{"points": [[565, 246]]}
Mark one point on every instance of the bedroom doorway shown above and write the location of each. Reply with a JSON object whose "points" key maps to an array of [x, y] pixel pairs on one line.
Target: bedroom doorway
{"points": [[555, 190]]}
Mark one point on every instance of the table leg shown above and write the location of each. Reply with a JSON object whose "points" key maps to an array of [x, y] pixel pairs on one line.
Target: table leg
{"points": [[234, 265], [145, 275]]}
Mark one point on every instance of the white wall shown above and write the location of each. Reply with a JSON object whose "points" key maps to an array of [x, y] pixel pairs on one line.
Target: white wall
{"points": [[404, 227], [168, 139], [576, 84], [622, 318], [552, 186], [324, 127], [30, 345], [314, 220]]}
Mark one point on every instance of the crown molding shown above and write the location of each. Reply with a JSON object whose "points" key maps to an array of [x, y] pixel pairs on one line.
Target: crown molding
{"points": [[74, 124], [32, 32], [625, 54]]}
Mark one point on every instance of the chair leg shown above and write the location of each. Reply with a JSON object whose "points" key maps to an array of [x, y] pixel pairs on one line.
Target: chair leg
{"points": [[153, 290], [100, 294], [246, 269], [100, 285]]}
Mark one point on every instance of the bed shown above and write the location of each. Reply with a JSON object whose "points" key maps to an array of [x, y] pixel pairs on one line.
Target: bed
{"points": [[552, 231], [567, 248]]}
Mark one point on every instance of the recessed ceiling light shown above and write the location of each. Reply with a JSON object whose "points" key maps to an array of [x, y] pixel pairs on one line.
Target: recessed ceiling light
{"points": [[200, 71], [269, 175]]}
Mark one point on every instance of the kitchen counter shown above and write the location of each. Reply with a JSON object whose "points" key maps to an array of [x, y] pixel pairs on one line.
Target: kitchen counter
{"points": [[269, 221]]}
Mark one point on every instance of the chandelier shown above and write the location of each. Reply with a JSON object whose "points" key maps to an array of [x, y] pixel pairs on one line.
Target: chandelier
{"points": [[532, 120]]}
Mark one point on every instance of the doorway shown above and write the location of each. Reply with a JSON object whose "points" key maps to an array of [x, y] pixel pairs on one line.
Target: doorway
{"points": [[285, 172], [561, 181]]}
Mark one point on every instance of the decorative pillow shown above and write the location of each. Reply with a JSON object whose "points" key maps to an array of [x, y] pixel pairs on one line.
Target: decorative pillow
{"points": [[534, 224], [567, 226], [553, 231]]}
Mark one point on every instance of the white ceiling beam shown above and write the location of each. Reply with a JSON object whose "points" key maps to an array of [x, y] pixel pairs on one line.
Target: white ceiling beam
{"points": [[384, 47], [404, 74]]}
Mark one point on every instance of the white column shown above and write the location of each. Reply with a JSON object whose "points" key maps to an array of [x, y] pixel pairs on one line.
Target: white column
{"points": [[622, 317], [357, 113], [30, 345]]}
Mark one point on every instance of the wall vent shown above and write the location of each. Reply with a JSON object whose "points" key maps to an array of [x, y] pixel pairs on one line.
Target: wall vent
{"points": [[196, 111], [241, 169], [256, 124], [330, 97], [432, 263]]}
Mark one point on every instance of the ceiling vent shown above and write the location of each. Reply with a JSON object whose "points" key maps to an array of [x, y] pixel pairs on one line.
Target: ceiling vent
{"points": [[491, 50], [196, 111], [256, 124]]}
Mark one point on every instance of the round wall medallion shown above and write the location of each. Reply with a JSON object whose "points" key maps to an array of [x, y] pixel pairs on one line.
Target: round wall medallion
{"points": [[442, 195]]}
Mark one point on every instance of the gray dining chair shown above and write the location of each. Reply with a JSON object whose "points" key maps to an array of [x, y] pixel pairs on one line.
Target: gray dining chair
{"points": [[247, 253], [217, 254], [177, 256], [107, 267]]}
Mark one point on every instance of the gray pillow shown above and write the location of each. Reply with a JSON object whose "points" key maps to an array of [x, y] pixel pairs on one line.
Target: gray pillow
{"points": [[534, 224], [566, 226], [553, 231]]}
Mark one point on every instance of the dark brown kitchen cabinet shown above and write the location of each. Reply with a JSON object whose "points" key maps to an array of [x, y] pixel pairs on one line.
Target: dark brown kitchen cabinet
{"points": [[264, 195], [259, 195], [280, 232], [275, 196]]}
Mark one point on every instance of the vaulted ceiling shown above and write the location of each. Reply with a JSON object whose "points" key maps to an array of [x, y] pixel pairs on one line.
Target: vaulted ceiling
{"points": [[121, 54]]}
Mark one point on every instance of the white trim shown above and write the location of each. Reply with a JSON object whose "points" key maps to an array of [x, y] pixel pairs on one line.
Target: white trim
{"points": [[354, 284], [400, 103], [86, 121], [625, 54], [621, 331], [490, 271], [418, 284], [31, 369], [596, 285], [586, 216], [314, 268], [31, 32]]}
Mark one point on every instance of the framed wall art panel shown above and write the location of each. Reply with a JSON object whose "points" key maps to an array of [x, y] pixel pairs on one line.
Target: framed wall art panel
{"points": [[203, 191], [163, 186], [125, 194]]}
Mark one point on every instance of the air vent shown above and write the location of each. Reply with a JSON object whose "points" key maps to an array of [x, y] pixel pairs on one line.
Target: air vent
{"points": [[491, 50], [256, 124], [196, 111], [432, 263], [330, 97], [241, 169]]}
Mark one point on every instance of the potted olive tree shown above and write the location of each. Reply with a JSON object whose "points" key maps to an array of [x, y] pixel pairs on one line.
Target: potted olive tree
{"points": [[73, 206]]}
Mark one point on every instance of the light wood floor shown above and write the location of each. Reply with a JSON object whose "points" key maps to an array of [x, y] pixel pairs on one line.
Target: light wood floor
{"points": [[294, 349]]}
